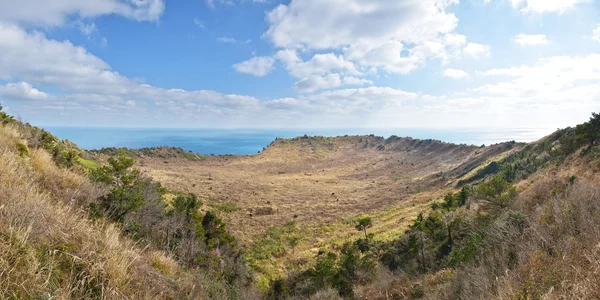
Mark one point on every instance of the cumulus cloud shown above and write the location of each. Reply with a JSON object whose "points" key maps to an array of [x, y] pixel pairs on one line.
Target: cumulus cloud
{"points": [[326, 24], [316, 82], [545, 6], [596, 34], [322, 71], [54, 13], [455, 74], [351, 80], [362, 37], [319, 64], [475, 50], [258, 66], [393, 36], [88, 81], [33, 58], [21, 91], [530, 39]]}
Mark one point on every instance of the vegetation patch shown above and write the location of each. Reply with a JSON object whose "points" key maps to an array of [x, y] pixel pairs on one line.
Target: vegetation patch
{"points": [[224, 207], [90, 164]]}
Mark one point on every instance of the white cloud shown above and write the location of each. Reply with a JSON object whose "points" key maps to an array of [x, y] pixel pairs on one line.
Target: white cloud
{"points": [[87, 29], [455, 74], [512, 71], [351, 80], [87, 81], [210, 3], [22, 91], [199, 23], [258, 66], [545, 6], [213, 3], [90, 31], [316, 82], [319, 64], [475, 50], [326, 24], [228, 40], [33, 58], [54, 13], [596, 34], [394, 36], [530, 39], [388, 56], [551, 78]]}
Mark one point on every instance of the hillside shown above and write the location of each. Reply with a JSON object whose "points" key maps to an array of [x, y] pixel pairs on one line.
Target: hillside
{"points": [[51, 247], [347, 216]]}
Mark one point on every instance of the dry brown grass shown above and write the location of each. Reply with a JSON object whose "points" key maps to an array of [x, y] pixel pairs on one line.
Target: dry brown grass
{"points": [[567, 259], [320, 181], [49, 249], [557, 256]]}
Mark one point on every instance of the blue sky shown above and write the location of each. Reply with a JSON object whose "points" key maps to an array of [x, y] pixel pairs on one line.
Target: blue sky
{"points": [[306, 64]]}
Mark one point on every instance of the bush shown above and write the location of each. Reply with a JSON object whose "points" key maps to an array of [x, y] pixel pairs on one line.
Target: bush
{"points": [[126, 193], [22, 149]]}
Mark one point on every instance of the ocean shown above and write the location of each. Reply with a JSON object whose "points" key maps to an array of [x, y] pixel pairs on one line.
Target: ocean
{"points": [[248, 141]]}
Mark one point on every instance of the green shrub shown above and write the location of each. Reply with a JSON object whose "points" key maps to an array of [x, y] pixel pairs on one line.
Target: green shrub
{"points": [[23, 150], [126, 193]]}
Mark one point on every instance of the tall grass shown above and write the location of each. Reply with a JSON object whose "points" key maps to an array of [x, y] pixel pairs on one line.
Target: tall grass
{"points": [[49, 249], [556, 256]]}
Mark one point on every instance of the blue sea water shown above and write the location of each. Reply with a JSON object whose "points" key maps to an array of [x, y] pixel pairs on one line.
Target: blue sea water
{"points": [[248, 141]]}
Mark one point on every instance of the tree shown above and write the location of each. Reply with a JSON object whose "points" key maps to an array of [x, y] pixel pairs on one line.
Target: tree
{"points": [[126, 194], [215, 232], [5, 118], [184, 231], [497, 190], [363, 223], [594, 128], [325, 268], [187, 205], [463, 196], [449, 201], [345, 278], [589, 132]]}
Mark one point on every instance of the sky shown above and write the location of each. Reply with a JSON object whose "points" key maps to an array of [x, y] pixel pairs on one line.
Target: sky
{"points": [[301, 63]]}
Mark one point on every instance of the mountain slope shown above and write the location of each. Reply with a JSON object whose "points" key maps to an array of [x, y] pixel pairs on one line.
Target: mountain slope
{"points": [[439, 220], [50, 248]]}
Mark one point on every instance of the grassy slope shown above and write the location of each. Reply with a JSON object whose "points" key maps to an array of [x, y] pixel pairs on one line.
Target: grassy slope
{"points": [[554, 256], [48, 247]]}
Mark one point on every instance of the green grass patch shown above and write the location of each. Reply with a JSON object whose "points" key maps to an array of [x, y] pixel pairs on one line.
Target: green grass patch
{"points": [[268, 252], [225, 207], [90, 164]]}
